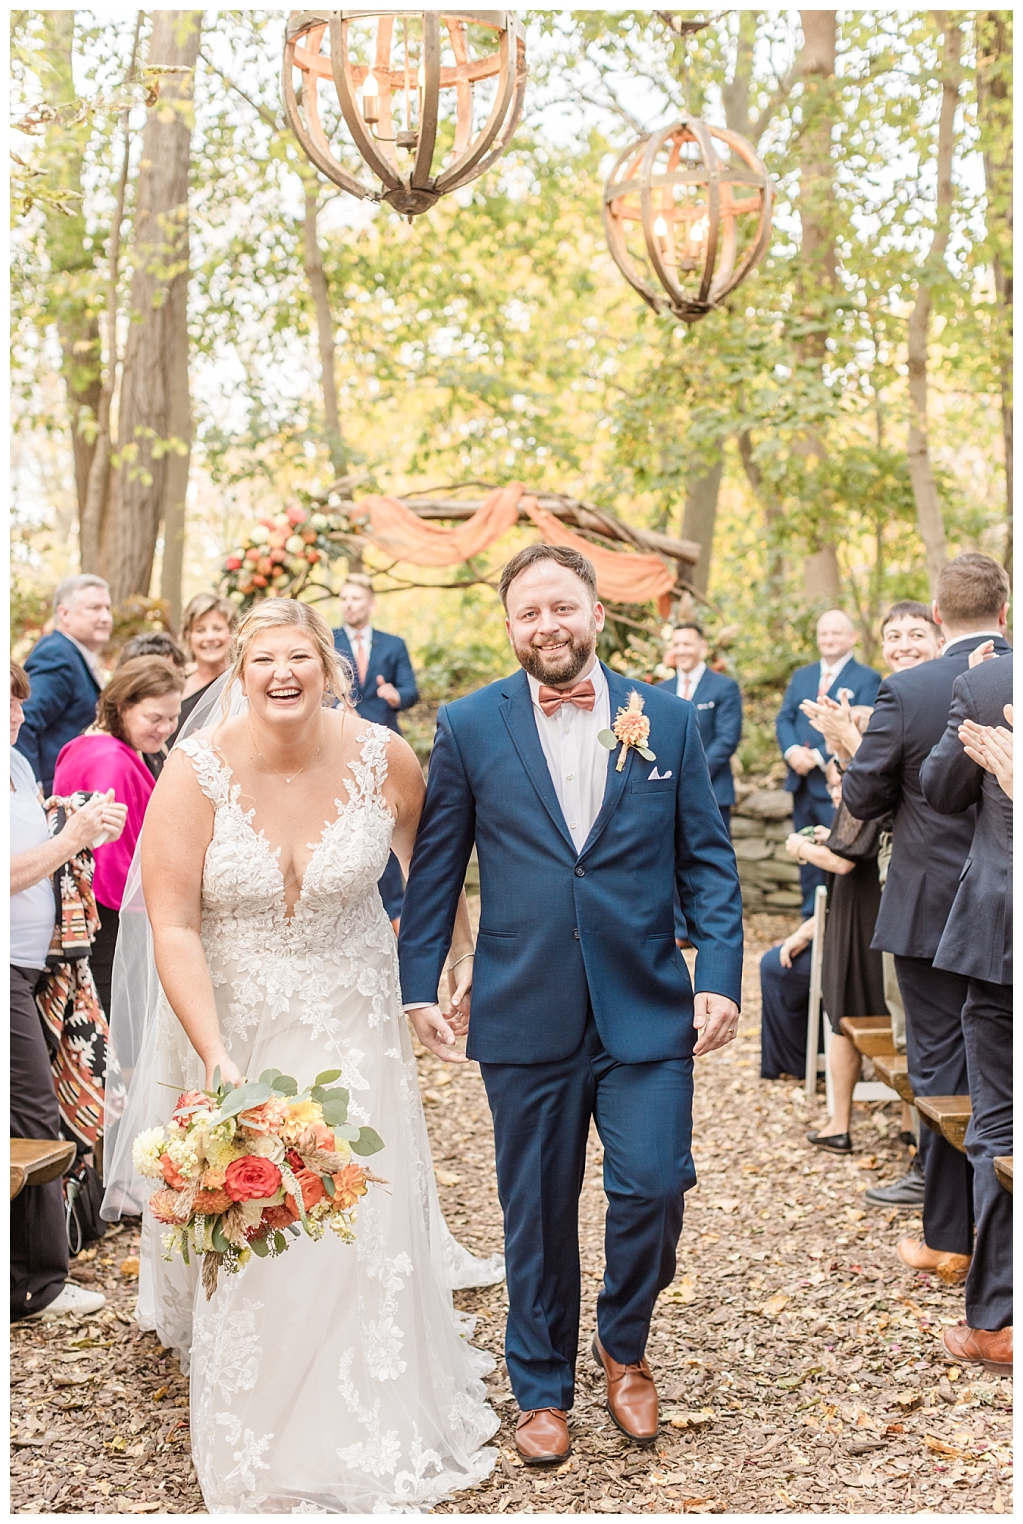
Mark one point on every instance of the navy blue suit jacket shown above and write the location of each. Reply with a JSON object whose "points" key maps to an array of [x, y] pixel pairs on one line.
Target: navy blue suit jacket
{"points": [[928, 849], [719, 713], [389, 659], [562, 932], [977, 940], [794, 729], [61, 705]]}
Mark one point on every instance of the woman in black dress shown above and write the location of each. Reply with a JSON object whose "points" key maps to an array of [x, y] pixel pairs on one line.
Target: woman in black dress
{"points": [[852, 976], [206, 629]]}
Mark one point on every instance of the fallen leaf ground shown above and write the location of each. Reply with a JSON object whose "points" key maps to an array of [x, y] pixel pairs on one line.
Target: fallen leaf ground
{"points": [[799, 1364]]}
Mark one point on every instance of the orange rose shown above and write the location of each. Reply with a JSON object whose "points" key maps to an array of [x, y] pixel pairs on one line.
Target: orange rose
{"points": [[212, 1203], [173, 1176], [349, 1185], [251, 1179], [164, 1205], [312, 1189]]}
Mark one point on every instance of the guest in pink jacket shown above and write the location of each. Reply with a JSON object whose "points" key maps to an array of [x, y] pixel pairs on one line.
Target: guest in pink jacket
{"points": [[136, 712]]}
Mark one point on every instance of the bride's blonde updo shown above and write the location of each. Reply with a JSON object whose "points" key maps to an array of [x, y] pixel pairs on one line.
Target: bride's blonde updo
{"points": [[278, 613]]}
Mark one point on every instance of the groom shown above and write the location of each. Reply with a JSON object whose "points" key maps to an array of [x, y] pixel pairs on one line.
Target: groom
{"points": [[582, 1004]]}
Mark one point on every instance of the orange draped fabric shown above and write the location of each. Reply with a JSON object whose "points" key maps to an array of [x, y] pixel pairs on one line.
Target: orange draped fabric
{"points": [[622, 577]]}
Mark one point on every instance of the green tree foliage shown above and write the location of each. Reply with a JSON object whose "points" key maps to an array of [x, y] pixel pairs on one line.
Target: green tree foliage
{"points": [[494, 338]]}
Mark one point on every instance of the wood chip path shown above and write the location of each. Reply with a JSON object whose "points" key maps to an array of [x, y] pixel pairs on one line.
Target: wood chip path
{"points": [[799, 1364]]}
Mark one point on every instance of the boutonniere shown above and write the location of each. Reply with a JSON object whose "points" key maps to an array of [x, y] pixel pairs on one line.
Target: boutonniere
{"points": [[631, 728]]}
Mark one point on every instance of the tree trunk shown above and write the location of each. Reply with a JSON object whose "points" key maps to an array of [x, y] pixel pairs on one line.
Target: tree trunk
{"points": [[176, 484], [65, 233], [994, 109], [699, 518], [818, 259], [94, 506], [158, 296], [325, 332], [925, 488]]}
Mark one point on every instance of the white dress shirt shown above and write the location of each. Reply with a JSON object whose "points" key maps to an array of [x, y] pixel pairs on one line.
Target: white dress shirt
{"points": [[693, 678], [91, 659], [575, 758], [974, 635]]}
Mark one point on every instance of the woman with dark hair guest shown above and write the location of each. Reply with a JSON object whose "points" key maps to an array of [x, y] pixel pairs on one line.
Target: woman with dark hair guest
{"points": [[207, 630], [154, 643], [137, 710], [39, 1246]]}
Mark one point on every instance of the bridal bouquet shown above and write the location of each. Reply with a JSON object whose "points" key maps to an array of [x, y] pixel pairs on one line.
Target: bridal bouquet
{"points": [[242, 1163]]}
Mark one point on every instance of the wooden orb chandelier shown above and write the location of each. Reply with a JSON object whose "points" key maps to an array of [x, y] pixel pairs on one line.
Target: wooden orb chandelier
{"points": [[677, 212], [430, 98]]}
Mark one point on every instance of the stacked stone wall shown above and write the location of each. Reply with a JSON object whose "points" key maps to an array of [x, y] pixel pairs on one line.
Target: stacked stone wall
{"points": [[761, 820]]}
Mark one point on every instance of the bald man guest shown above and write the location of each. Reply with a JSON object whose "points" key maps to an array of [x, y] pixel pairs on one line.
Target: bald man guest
{"points": [[803, 747]]}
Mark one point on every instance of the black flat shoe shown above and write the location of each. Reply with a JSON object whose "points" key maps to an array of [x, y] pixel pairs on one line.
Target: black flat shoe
{"points": [[835, 1142]]}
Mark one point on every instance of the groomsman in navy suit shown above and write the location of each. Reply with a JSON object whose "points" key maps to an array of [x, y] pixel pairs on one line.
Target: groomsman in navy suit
{"points": [[582, 1005], [384, 685], [718, 708], [803, 747], [65, 673]]}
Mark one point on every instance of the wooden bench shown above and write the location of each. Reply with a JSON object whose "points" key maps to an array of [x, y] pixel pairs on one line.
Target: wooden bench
{"points": [[869, 1035], [37, 1161], [947, 1114], [1003, 1169], [893, 1071]]}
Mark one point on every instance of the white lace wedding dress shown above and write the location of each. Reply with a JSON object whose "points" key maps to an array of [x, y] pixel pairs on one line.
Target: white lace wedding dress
{"points": [[338, 1379]]}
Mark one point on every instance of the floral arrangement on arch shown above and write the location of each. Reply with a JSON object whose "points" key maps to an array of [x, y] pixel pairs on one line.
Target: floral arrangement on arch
{"points": [[280, 553], [241, 1164]]}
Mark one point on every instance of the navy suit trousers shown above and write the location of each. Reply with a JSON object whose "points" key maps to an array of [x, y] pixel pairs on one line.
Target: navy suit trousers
{"points": [[936, 1060], [542, 1112], [987, 1029], [808, 810]]}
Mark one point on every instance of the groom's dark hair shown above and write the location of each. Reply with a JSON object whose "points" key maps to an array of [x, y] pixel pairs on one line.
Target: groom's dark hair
{"points": [[559, 553]]}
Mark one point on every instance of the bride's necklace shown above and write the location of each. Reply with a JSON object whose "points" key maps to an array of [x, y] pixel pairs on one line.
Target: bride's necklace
{"points": [[277, 770]]}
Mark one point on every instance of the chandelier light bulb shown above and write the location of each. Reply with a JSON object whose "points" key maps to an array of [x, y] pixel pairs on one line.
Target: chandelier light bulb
{"points": [[661, 228], [371, 98]]}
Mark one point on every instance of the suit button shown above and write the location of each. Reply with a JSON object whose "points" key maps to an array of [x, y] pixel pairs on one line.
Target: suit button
{"points": [[575, 932], [580, 872]]}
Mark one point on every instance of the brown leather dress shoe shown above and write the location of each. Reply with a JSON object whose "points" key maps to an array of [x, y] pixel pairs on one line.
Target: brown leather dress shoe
{"points": [[991, 1350], [631, 1395], [952, 1268], [541, 1436]]}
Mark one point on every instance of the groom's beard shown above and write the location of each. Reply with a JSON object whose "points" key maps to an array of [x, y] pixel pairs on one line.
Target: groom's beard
{"points": [[565, 667]]}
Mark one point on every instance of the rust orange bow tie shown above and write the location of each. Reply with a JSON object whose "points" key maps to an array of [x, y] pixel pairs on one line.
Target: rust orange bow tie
{"points": [[581, 695]]}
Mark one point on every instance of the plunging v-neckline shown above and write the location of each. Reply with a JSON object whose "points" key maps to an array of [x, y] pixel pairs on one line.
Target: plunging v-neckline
{"points": [[274, 853]]}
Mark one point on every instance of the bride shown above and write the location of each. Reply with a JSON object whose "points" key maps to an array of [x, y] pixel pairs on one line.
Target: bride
{"points": [[339, 1379]]}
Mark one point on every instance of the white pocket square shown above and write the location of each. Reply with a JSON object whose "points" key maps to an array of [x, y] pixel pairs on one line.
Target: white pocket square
{"points": [[656, 774]]}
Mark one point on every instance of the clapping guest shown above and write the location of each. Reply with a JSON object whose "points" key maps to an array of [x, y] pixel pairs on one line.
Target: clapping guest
{"points": [[977, 945], [138, 710], [852, 977], [39, 1246], [929, 852], [806, 756]]}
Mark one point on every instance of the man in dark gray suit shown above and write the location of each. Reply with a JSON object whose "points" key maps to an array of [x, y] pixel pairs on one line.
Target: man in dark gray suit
{"points": [[928, 853], [977, 944]]}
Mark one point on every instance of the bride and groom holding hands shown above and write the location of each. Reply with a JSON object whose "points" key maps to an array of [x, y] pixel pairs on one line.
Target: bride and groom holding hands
{"points": [[343, 1380]]}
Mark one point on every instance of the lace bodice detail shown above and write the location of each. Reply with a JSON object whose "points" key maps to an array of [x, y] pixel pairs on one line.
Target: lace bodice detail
{"points": [[266, 957]]}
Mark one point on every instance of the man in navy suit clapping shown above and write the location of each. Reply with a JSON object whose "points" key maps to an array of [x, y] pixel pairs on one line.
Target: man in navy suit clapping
{"points": [[65, 673], [384, 685], [802, 746], [718, 708]]}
